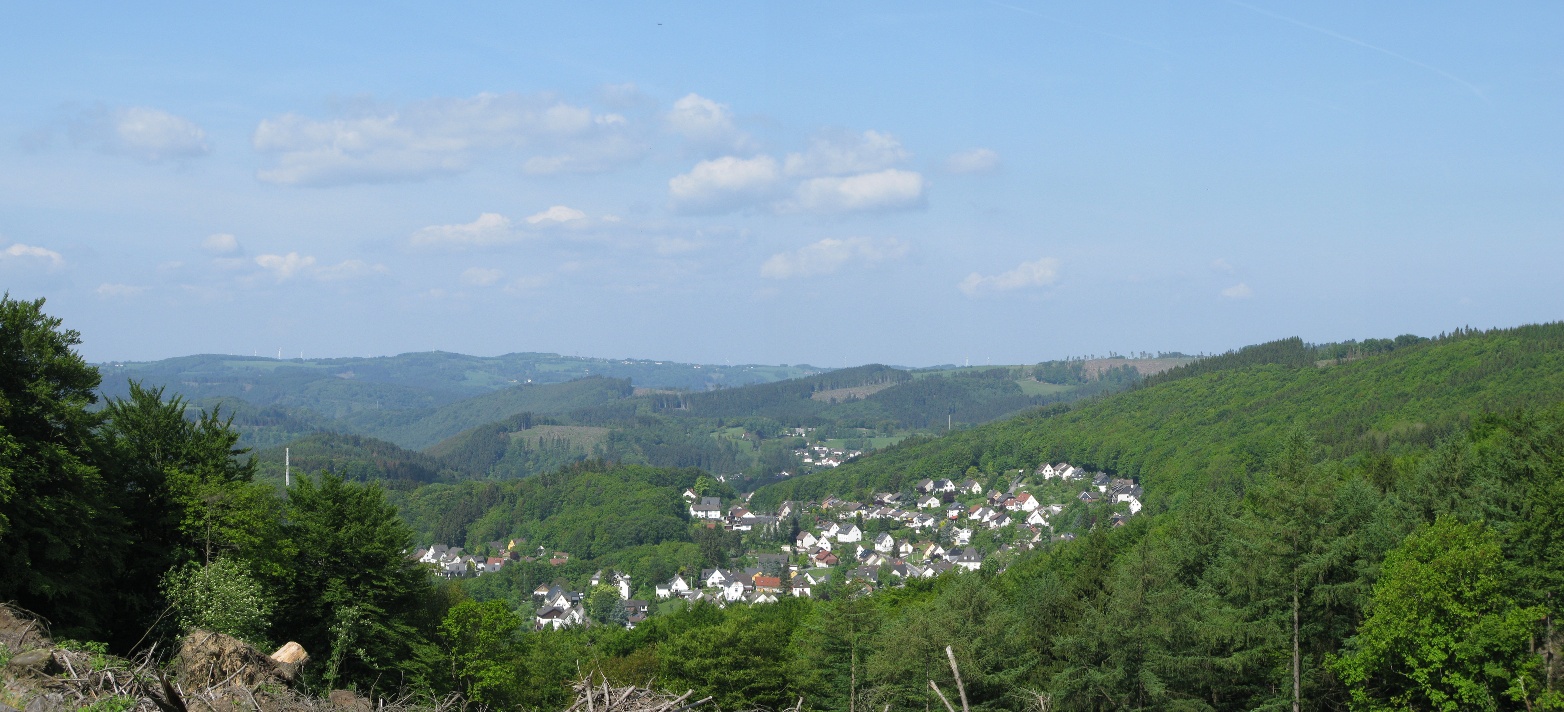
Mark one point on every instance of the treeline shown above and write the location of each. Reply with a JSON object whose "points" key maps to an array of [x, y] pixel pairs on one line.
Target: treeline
{"points": [[931, 402], [785, 400], [677, 429], [1293, 352], [1224, 421], [1073, 373]]}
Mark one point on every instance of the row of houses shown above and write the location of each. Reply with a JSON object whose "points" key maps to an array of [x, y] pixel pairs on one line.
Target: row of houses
{"points": [[822, 456], [948, 487], [755, 585], [559, 607], [452, 562]]}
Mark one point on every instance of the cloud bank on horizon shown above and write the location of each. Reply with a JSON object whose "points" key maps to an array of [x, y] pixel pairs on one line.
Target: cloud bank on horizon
{"points": [[690, 185]]}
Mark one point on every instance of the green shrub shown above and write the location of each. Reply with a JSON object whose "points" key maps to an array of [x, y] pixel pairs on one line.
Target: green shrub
{"points": [[221, 597]]}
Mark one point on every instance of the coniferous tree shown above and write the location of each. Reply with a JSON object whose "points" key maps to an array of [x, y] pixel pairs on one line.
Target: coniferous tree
{"points": [[1279, 552], [184, 494], [61, 536], [350, 593]]}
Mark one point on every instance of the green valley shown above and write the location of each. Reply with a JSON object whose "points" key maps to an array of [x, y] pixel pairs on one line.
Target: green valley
{"points": [[1354, 526]]}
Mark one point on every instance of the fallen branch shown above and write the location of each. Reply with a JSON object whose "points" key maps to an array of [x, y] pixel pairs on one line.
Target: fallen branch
{"points": [[959, 686], [941, 696]]}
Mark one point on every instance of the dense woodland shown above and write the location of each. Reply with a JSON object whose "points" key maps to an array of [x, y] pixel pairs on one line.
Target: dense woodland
{"points": [[1362, 526], [748, 434]]}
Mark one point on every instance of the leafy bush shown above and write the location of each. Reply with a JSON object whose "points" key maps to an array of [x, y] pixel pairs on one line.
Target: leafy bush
{"points": [[221, 597]]}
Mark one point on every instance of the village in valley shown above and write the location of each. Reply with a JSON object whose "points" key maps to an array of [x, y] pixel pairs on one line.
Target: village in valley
{"points": [[936, 527]]}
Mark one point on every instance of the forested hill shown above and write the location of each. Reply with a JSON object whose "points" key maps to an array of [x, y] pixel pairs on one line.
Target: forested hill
{"points": [[428, 379], [1221, 417]]}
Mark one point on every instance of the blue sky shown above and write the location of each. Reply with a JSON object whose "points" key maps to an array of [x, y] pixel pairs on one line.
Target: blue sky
{"points": [[831, 183]]}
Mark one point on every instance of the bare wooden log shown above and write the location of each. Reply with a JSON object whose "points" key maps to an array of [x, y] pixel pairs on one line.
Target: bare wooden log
{"points": [[694, 704], [961, 688], [941, 696], [675, 701]]}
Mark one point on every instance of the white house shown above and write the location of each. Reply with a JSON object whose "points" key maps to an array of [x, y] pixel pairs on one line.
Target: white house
{"points": [[709, 508], [961, 536], [557, 617], [929, 502], [965, 558], [944, 486], [972, 487], [677, 585], [884, 543], [1025, 502], [849, 533], [805, 540], [1037, 519]]}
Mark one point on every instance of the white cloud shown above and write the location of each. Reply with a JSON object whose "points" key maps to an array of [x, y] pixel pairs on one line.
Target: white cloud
{"points": [[886, 190], [21, 253], [835, 154], [488, 229], [480, 276], [108, 290], [830, 255], [495, 229], [977, 160], [139, 132], [725, 183], [1028, 274], [705, 124], [1221, 265], [556, 214], [284, 266], [221, 244], [442, 136], [1238, 291]]}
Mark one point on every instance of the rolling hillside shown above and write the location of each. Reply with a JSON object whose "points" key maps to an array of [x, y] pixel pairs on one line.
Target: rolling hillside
{"points": [[754, 431], [420, 429], [751, 432], [1220, 418]]}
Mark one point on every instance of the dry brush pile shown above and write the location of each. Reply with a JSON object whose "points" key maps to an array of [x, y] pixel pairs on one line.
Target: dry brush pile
{"points": [[210, 672]]}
